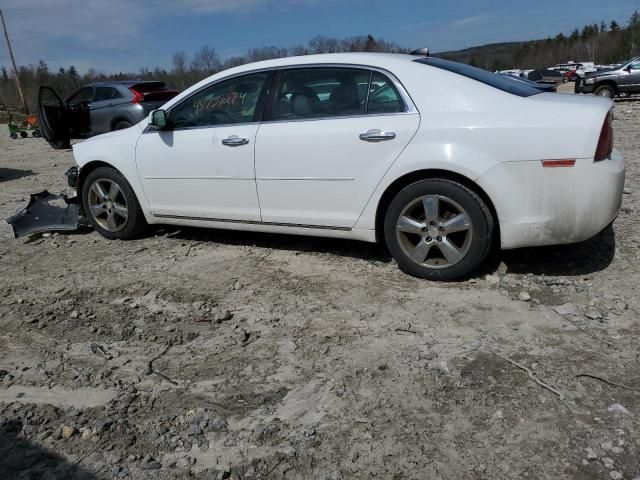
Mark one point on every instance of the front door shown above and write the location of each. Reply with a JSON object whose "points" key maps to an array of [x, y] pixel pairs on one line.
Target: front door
{"points": [[334, 134], [53, 117], [203, 166], [629, 80]]}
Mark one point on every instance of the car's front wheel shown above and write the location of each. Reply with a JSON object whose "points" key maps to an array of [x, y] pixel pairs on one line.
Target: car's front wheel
{"points": [[111, 205], [438, 229]]}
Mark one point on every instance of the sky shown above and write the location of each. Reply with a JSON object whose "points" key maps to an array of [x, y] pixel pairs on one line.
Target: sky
{"points": [[125, 35]]}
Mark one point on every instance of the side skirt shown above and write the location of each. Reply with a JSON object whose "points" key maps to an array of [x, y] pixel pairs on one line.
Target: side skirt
{"points": [[268, 227]]}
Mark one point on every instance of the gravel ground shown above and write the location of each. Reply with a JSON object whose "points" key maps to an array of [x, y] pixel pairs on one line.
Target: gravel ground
{"points": [[221, 355]]}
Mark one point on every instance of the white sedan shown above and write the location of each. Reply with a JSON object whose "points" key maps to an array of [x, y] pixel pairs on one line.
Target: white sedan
{"points": [[439, 160]]}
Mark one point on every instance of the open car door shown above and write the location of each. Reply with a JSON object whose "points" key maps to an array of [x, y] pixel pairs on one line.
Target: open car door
{"points": [[53, 118]]}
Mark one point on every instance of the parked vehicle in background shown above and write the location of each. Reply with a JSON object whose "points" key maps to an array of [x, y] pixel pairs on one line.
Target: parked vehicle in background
{"points": [[623, 80], [98, 108], [438, 160], [543, 87], [546, 76]]}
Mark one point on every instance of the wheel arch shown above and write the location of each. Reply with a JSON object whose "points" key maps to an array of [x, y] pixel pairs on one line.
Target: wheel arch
{"points": [[609, 83], [90, 167], [120, 118], [400, 183]]}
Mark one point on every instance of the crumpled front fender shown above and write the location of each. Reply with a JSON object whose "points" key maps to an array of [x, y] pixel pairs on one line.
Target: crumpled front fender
{"points": [[45, 212]]}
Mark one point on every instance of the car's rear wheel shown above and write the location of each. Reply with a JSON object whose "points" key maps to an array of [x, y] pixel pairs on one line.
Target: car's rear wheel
{"points": [[438, 229], [605, 91], [121, 125], [111, 205]]}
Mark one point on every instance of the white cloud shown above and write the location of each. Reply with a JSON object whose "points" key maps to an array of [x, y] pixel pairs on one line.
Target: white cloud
{"points": [[114, 26]]}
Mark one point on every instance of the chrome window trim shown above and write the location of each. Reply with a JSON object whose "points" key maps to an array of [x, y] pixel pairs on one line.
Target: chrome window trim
{"points": [[410, 107]]}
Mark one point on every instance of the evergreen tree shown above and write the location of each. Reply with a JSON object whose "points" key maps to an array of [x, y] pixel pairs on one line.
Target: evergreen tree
{"points": [[370, 45], [614, 26], [4, 74]]}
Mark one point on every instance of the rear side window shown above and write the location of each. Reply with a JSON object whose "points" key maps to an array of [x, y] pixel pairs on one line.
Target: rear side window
{"points": [[383, 96], [309, 93], [483, 76], [321, 92], [105, 93]]}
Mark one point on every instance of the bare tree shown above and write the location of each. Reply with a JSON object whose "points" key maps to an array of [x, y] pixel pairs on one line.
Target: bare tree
{"points": [[205, 60]]}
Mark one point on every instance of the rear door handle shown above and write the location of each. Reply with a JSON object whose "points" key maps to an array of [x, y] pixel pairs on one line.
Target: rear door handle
{"points": [[235, 141], [377, 136]]}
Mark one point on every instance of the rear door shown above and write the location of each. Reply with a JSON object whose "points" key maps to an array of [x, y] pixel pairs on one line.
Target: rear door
{"points": [[322, 154], [102, 108], [53, 117]]}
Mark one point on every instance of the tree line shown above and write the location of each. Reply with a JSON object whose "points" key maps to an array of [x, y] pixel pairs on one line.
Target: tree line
{"points": [[602, 43]]}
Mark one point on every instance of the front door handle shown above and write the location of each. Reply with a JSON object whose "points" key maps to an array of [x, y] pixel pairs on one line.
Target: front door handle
{"points": [[235, 141], [377, 136]]}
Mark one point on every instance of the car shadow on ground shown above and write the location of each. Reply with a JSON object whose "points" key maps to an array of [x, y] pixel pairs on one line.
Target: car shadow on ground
{"points": [[7, 174], [293, 243], [22, 459], [583, 258]]}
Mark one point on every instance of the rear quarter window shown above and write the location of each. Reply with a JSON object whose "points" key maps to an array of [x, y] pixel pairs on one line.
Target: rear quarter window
{"points": [[483, 76]]}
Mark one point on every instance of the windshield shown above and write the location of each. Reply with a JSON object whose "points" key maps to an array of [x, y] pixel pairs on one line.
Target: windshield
{"points": [[494, 80]]}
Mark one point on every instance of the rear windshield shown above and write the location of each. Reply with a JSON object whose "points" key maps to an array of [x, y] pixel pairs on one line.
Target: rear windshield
{"points": [[488, 78], [146, 87]]}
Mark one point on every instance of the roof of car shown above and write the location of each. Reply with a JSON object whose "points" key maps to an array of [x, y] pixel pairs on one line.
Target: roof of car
{"points": [[355, 58], [126, 83]]}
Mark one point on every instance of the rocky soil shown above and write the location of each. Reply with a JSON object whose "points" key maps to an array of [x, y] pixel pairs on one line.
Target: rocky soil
{"points": [[218, 355]]}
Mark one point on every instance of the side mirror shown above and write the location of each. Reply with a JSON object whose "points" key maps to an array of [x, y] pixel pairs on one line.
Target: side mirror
{"points": [[159, 119], [628, 68]]}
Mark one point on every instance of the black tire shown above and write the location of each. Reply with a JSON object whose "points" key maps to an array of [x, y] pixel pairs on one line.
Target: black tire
{"points": [[121, 125], [60, 144], [605, 91], [475, 247], [135, 223], [23, 134], [14, 136], [36, 134]]}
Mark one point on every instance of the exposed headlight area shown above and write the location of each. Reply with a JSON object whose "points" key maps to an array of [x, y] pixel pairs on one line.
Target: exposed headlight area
{"points": [[589, 81]]}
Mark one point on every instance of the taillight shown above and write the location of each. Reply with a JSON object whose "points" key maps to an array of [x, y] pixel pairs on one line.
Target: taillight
{"points": [[605, 144], [137, 96]]}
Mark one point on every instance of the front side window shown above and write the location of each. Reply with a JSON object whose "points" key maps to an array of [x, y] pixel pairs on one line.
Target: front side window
{"points": [[226, 103], [83, 95], [635, 65], [321, 92]]}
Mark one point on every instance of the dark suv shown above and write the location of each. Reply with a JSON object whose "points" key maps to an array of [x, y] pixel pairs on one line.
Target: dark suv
{"points": [[622, 80], [98, 108]]}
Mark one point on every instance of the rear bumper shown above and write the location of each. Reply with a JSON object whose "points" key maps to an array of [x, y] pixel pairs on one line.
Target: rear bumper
{"points": [[550, 206]]}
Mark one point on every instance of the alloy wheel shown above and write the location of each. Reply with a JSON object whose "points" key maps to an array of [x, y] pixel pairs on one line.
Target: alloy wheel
{"points": [[434, 231], [108, 205]]}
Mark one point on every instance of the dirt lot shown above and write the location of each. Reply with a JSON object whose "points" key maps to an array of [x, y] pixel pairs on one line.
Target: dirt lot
{"points": [[219, 355]]}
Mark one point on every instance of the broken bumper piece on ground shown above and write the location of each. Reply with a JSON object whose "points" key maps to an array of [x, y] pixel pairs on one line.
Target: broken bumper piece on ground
{"points": [[45, 212]]}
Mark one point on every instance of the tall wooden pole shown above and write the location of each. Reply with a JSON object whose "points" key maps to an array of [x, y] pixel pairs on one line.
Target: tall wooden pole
{"points": [[15, 69]]}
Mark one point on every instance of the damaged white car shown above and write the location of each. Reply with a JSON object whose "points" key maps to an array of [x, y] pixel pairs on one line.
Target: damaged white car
{"points": [[439, 160]]}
